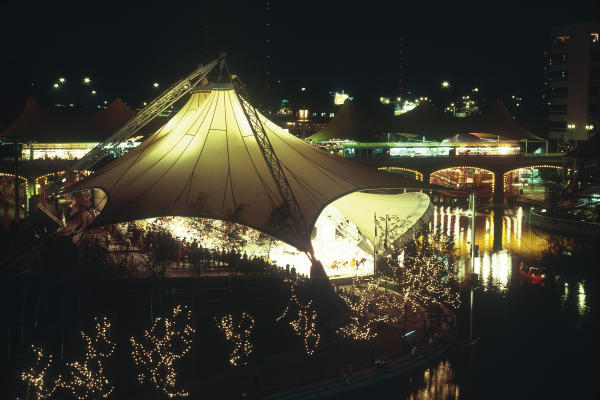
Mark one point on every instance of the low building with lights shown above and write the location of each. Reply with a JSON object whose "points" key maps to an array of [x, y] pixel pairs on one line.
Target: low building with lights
{"points": [[66, 135]]}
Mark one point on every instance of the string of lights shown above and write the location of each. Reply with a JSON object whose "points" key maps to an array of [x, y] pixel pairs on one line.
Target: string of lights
{"points": [[239, 335], [304, 323], [37, 376], [418, 175], [422, 273], [168, 340], [87, 377], [369, 306]]}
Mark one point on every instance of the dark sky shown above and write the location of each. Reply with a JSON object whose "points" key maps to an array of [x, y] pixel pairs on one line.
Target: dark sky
{"points": [[321, 45]]}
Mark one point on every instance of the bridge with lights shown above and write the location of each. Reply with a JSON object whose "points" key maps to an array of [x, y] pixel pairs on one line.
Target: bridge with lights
{"points": [[495, 168]]}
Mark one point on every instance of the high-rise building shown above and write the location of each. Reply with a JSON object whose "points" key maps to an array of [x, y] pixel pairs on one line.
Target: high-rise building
{"points": [[573, 76]]}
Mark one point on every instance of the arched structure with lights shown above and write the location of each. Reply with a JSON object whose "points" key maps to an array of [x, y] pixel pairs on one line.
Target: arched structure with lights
{"points": [[417, 175]]}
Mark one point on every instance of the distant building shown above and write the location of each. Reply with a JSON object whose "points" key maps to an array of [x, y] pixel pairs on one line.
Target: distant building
{"points": [[54, 135], [574, 81]]}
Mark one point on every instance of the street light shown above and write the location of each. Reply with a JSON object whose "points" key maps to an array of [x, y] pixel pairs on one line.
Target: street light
{"points": [[86, 80], [155, 84], [445, 84], [93, 92], [62, 80], [55, 86]]}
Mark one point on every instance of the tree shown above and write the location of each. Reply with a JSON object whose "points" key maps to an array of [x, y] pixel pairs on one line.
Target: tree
{"points": [[168, 340], [87, 376], [39, 385], [369, 306], [239, 335], [422, 271], [304, 322]]}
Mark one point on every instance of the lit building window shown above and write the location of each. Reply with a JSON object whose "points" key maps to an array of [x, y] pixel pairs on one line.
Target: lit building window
{"points": [[340, 98], [303, 115]]}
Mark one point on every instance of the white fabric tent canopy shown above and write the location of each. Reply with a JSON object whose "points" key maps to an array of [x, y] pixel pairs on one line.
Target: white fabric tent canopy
{"points": [[408, 208], [205, 162]]}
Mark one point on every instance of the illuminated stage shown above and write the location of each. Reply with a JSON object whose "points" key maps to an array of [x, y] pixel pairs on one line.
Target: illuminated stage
{"points": [[342, 237]]}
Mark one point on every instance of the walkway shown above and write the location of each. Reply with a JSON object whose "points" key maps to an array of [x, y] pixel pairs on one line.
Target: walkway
{"points": [[397, 364]]}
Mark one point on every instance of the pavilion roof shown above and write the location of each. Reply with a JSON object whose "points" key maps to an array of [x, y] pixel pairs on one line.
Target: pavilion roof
{"points": [[206, 162], [38, 124]]}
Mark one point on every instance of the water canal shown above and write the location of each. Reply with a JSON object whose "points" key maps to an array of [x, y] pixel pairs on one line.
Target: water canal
{"points": [[534, 342]]}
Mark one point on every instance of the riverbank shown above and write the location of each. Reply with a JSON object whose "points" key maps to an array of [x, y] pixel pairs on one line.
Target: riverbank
{"points": [[561, 225]]}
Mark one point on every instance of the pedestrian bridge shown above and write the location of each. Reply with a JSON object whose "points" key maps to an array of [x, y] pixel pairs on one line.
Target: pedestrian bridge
{"points": [[425, 168]]}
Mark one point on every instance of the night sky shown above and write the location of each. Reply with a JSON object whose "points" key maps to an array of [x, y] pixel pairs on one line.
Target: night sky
{"points": [[323, 46]]}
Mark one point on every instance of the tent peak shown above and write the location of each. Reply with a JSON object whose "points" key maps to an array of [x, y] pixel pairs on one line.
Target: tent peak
{"points": [[221, 86]]}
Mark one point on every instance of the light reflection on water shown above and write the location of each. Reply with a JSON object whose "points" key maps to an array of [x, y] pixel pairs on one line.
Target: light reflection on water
{"points": [[499, 238], [575, 295], [504, 241], [438, 384]]}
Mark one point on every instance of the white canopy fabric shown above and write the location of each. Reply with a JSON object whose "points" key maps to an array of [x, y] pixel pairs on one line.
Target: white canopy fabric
{"points": [[403, 211], [205, 162]]}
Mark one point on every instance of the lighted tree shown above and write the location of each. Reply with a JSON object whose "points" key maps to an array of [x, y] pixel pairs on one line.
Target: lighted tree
{"points": [[39, 384], [368, 307], [167, 341], [303, 322], [239, 335], [422, 271], [87, 376]]}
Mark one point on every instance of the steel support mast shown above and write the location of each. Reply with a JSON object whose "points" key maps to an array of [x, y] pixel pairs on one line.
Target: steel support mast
{"points": [[138, 121], [289, 201]]}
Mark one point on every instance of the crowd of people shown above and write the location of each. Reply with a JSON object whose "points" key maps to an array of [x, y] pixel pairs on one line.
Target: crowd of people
{"points": [[170, 252]]}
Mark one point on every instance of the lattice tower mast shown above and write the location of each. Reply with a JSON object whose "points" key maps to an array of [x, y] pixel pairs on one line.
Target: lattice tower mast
{"points": [[138, 121], [289, 201]]}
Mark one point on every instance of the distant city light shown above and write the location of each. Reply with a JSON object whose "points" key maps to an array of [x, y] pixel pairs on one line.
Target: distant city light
{"points": [[303, 115], [155, 84], [87, 80], [571, 126], [93, 92], [55, 86], [62, 80], [105, 102], [384, 100], [303, 89], [445, 84], [340, 98], [144, 103], [476, 89], [589, 127]]}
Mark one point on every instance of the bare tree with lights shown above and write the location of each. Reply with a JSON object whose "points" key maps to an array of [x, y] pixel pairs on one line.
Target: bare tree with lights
{"points": [[39, 384], [167, 341], [239, 335], [369, 306], [88, 379], [423, 271], [303, 321]]}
